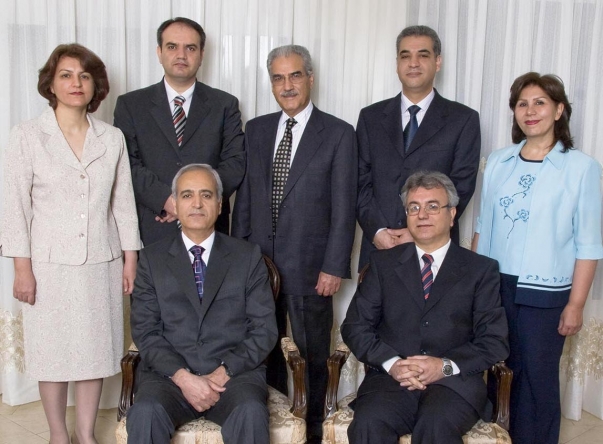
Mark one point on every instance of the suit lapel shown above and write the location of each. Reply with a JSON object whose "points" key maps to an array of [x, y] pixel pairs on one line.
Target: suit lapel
{"points": [[266, 143], [409, 273], [161, 112], [217, 268], [308, 145], [57, 145], [180, 266], [433, 121], [450, 273], [93, 147], [392, 123], [199, 108]]}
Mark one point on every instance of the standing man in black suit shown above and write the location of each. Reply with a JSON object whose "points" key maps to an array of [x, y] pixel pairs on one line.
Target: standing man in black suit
{"points": [[428, 321], [416, 130], [176, 122], [297, 202], [203, 331]]}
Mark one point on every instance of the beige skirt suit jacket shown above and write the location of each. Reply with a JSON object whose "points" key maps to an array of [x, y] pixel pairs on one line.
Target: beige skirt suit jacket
{"points": [[73, 218]]}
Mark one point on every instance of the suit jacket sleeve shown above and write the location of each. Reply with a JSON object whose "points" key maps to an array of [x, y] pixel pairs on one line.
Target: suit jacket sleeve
{"points": [[261, 321], [489, 344], [359, 329], [232, 155], [241, 221], [344, 180], [463, 172], [123, 205], [148, 189], [368, 211], [15, 236], [147, 325]]}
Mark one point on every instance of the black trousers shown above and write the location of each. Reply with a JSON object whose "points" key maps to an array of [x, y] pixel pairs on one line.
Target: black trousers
{"points": [[311, 318], [387, 411], [160, 408]]}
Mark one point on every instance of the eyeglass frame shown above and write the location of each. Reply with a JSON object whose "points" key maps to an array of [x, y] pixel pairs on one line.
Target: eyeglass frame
{"points": [[296, 78], [430, 212]]}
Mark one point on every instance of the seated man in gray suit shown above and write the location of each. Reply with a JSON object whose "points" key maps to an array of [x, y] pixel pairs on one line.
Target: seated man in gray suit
{"points": [[203, 320], [427, 320]]}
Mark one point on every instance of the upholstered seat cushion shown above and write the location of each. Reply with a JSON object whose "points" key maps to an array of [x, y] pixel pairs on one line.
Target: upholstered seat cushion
{"points": [[335, 428], [284, 427]]}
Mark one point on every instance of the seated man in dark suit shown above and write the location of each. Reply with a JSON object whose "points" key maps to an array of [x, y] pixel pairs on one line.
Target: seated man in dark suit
{"points": [[427, 320], [203, 320]]}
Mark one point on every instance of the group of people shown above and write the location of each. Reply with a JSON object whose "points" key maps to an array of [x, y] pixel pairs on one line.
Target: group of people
{"points": [[429, 316]]}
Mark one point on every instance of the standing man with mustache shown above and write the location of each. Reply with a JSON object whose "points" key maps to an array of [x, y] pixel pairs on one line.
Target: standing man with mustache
{"points": [[297, 202], [176, 122], [416, 130]]}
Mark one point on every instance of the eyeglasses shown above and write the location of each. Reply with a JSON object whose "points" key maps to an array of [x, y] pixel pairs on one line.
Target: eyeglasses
{"points": [[431, 208], [296, 77]]}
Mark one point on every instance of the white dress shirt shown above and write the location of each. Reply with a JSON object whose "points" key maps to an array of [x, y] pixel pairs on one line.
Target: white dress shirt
{"points": [[297, 131], [172, 93], [207, 244], [423, 104]]}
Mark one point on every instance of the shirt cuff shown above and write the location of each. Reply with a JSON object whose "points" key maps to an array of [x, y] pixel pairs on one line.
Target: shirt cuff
{"points": [[455, 368], [388, 364]]}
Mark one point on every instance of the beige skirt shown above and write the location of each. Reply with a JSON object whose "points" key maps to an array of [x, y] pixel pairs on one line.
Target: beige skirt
{"points": [[74, 331]]}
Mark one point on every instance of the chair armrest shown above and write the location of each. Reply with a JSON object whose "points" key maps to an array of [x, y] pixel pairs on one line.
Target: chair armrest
{"points": [[335, 364], [503, 376], [297, 364], [128, 372]]}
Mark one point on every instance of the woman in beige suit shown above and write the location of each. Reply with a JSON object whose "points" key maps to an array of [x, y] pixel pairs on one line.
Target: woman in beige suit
{"points": [[70, 224]]}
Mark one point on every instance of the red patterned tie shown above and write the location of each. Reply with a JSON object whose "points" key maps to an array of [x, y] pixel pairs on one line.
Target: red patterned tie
{"points": [[426, 274], [179, 118]]}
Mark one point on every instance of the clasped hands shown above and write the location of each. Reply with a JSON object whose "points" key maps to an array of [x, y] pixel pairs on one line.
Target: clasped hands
{"points": [[417, 372], [202, 392], [389, 238]]}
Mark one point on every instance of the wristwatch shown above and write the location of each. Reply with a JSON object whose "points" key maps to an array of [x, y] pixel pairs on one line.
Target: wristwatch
{"points": [[228, 372], [447, 369]]}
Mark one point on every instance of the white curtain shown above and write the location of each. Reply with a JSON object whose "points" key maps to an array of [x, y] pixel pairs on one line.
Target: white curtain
{"points": [[486, 44]]}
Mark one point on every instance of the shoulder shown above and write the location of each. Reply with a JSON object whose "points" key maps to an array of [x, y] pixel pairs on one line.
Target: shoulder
{"points": [[262, 121], [503, 153], [214, 94], [580, 160], [238, 246], [140, 95], [330, 120], [455, 108], [474, 260], [103, 128], [378, 107], [159, 248]]}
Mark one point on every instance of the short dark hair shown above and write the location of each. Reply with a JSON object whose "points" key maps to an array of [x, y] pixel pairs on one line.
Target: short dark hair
{"points": [[429, 180], [186, 22], [420, 31], [552, 85], [91, 63]]}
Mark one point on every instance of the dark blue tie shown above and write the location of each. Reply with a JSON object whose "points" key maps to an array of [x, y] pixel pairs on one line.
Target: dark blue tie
{"points": [[412, 127], [426, 274], [198, 268]]}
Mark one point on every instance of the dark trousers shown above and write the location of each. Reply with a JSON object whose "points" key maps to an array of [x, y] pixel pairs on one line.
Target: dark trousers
{"points": [[536, 349], [160, 408], [435, 415], [311, 318]]}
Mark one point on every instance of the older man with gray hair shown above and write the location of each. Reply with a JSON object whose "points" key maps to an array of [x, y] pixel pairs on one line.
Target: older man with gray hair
{"points": [[427, 320], [297, 201]]}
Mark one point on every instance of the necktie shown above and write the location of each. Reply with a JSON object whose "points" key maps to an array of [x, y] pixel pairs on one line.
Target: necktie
{"points": [[280, 170], [426, 274], [179, 118], [411, 127], [198, 268]]}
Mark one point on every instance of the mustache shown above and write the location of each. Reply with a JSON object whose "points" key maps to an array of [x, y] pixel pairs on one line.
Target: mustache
{"points": [[290, 93]]}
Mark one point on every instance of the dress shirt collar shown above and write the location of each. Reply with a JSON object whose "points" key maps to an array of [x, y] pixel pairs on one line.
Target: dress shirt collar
{"points": [[207, 244], [423, 104], [301, 118], [172, 93], [438, 257]]}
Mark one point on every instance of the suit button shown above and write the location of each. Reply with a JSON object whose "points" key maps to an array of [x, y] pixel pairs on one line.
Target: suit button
{"points": [[399, 223], [423, 352], [178, 164], [82, 176], [426, 324]]}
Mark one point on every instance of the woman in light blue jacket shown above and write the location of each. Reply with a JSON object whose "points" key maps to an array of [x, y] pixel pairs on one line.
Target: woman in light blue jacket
{"points": [[541, 219]]}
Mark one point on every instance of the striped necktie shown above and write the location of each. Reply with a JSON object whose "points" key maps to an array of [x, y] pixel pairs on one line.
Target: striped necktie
{"points": [[426, 274], [179, 118]]}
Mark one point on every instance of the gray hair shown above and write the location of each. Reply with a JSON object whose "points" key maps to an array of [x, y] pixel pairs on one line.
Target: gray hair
{"points": [[197, 167], [430, 180], [288, 50], [420, 31]]}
